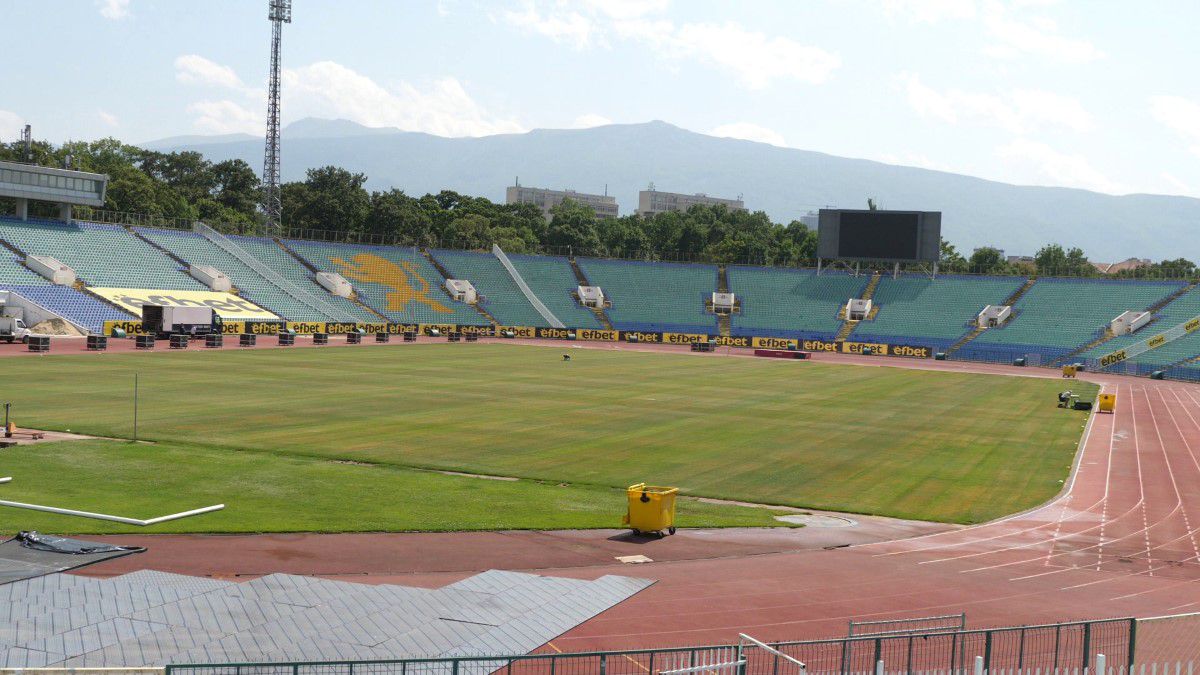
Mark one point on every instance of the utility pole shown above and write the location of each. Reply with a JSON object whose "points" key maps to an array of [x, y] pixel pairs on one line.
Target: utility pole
{"points": [[280, 12]]}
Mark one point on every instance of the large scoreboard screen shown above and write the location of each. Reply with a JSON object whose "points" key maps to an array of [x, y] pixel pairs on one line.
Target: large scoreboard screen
{"points": [[899, 236]]}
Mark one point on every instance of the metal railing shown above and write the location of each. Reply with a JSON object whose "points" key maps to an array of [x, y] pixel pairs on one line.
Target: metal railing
{"points": [[533, 299], [296, 292], [1050, 647]]}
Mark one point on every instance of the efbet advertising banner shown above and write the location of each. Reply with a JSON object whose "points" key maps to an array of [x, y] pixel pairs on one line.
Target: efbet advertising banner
{"points": [[226, 305]]}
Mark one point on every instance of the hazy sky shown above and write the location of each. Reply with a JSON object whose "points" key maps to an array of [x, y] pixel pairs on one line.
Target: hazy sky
{"points": [[1098, 94]]}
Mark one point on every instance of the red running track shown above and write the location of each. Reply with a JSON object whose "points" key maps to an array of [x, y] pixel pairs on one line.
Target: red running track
{"points": [[1121, 540]]}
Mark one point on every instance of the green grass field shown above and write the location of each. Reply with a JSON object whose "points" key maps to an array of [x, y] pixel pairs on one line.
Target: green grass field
{"points": [[329, 439]]}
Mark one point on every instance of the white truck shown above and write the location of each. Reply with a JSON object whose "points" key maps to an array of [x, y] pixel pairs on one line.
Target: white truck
{"points": [[13, 329], [164, 321]]}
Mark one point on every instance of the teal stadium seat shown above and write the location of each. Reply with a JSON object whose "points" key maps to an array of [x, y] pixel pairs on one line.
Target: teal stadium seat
{"points": [[395, 281], [1058, 315], [553, 281], [655, 297], [502, 298], [932, 312], [101, 255], [791, 303], [197, 250], [1179, 310], [268, 252]]}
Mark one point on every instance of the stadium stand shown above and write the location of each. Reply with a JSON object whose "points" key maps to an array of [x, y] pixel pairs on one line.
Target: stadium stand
{"points": [[1057, 315], [397, 282], [1177, 311], [933, 312], [13, 272], [791, 303], [197, 250], [551, 279], [268, 252], [102, 255], [502, 298], [76, 306], [655, 296]]}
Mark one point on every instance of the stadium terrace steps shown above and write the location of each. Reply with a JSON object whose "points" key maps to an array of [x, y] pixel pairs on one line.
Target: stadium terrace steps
{"points": [[938, 312], [80, 308], [1185, 306], [580, 280], [791, 303], [1057, 315], [101, 255], [645, 296], [197, 250], [398, 282], [500, 296], [555, 281], [848, 324], [312, 271], [447, 275], [278, 259]]}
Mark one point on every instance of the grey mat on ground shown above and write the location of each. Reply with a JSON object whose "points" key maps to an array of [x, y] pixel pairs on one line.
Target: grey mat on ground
{"points": [[150, 618], [30, 555]]}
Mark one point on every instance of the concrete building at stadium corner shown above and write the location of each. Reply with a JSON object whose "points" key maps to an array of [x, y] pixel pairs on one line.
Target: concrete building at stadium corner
{"points": [[545, 199], [652, 201]]}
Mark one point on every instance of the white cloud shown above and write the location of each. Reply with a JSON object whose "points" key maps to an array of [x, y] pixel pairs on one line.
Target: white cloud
{"points": [[195, 69], [1036, 163], [225, 117], [1177, 186], [756, 59], [567, 27], [930, 11], [331, 90], [1180, 115], [628, 9], [590, 120], [1036, 36], [749, 131], [108, 118], [328, 89], [113, 9], [1018, 111], [11, 126]]}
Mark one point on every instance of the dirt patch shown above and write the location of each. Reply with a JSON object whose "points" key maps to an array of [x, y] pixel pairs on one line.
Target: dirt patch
{"points": [[55, 327]]}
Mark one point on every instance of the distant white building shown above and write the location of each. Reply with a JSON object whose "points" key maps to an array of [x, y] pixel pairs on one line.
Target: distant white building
{"points": [[652, 201], [604, 205]]}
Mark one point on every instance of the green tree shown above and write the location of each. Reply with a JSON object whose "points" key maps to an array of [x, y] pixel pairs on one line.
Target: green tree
{"points": [[987, 260], [950, 260], [573, 227], [332, 198]]}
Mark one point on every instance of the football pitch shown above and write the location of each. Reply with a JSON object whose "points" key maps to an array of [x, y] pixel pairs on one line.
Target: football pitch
{"points": [[359, 439]]}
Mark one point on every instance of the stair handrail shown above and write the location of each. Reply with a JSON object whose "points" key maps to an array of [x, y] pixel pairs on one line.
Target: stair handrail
{"points": [[298, 294], [533, 299]]}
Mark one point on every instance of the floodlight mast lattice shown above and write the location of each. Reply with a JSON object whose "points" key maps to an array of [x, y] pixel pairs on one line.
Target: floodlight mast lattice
{"points": [[279, 13]]}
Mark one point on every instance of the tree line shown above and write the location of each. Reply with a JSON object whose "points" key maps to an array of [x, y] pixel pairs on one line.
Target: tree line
{"points": [[334, 203]]}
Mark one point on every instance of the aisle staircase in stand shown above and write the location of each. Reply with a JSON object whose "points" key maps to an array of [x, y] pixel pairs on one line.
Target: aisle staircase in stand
{"points": [[848, 325], [446, 275], [583, 281]]}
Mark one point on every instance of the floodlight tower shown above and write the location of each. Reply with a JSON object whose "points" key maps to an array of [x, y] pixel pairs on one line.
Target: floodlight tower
{"points": [[279, 13]]}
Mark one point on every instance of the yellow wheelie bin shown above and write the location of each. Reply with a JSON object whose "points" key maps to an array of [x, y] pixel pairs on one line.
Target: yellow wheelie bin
{"points": [[651, 509]]}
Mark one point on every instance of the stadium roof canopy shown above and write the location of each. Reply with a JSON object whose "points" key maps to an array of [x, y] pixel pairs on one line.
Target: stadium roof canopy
{"points": [[60, 186]]}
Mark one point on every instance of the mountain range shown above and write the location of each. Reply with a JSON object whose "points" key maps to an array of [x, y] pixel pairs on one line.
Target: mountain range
{"points": [[786, 183]]}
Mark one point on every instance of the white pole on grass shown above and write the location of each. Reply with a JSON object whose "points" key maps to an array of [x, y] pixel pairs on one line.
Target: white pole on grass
{"points": [[115, 519], [135, 406]]}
